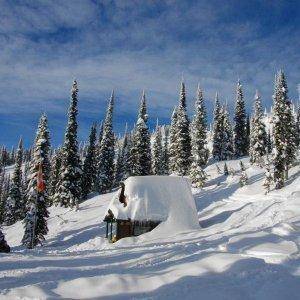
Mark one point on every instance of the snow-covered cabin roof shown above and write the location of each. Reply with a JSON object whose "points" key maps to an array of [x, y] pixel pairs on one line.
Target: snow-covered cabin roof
{"points": [[157, 198]]}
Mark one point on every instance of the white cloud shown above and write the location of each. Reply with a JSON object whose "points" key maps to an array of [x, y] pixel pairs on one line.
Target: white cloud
{"points": [[130, 46]]}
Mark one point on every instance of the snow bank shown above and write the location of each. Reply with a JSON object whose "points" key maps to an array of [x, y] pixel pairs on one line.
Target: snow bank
{"points": [[159, 198]]}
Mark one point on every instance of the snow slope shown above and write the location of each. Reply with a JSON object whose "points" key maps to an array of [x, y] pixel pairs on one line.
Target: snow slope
{"points": [[247, 248]]}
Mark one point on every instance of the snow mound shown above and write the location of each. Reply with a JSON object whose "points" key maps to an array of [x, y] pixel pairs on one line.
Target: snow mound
{"points": [[167, 199]]}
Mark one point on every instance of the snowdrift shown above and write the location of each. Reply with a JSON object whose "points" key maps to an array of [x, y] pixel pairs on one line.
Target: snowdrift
{"points": [[247, 247]]}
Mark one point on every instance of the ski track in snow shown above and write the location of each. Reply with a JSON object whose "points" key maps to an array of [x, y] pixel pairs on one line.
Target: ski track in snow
{"points": [[247, 248]]}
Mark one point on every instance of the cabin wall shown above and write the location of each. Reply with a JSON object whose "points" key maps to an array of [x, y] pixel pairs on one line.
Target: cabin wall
{"points": [[126, 228]]}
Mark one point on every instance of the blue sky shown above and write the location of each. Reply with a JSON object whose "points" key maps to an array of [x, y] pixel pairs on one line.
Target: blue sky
{"points": [[129, 46]]}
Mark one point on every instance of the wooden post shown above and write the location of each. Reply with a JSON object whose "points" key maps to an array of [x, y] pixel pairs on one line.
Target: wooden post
{"points": [[111, 225]]}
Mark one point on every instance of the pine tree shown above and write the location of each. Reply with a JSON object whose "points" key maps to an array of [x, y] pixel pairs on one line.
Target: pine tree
{"points": [[2, 192], [242, 166], [14, 206], [269, 142], [172, 142], [197, 175], [291, 137], [182, 96], [123, 161], [298, 127], [182, 137], [89, 172], [240, 128], [258, 135], [25, 180], [140, 150], [35, 222], [248, 129], [244, 177], [43, 133], [283, 131], [165, 151], [105, 177], [3, 244], [55, 174], [100, 136], [12, 156], [199, 131], [157, 153], [268, 177], [128, 160], [4, 195], [217, 130], [68, 188], [226, 171], [119, 164], [227, 149]]}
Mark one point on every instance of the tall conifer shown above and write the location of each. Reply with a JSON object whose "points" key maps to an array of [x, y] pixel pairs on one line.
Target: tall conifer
{"points": [[106, 154], [89, 171], [68, 189], [240, 126], [14, 206]]}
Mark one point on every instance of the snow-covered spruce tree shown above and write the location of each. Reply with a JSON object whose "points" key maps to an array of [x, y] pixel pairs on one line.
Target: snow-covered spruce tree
{"points": [[291, 138], [14, 206], [227, 149], [217, 130], [43, 133], [141, 150], [244, 177], [4, 157], [268, 181], [182, 138], [240, 128], [157, 153], [123, 161], [182, 96], [119, 163], [54, 174], [3, 244], [283, 131], [173, 142], [298, 127], [25, 180], [2, 191], [165, 151], [127, 159], [248, 129], [35, 222], [197, 174], [226, 171], [89, 170], [242, 166], [100, 136], [105, 159], [4, 195], [68, 189], [258, 135], [269, 142], [199, 131]]}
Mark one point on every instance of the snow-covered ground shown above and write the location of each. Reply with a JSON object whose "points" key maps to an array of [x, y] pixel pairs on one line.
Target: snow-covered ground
{"points": [[247, 248]]}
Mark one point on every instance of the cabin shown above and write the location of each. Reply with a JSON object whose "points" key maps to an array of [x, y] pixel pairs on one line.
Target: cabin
{"points": [[145, 202]]}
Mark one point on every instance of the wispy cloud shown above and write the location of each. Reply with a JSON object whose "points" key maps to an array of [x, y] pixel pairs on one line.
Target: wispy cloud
{"points": [[135, 45]]}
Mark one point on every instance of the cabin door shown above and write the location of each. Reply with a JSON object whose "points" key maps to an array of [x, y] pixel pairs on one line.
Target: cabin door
{"points": [[123, 229]]}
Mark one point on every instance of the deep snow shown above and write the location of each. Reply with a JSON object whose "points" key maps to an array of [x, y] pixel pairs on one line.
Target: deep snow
{"points": [[158, 198], [247, 248]]}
